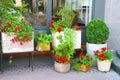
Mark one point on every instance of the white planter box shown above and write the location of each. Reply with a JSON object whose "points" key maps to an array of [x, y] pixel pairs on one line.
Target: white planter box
{"points": [[8, 46], [93, 47], [104, 65], [77, 40], [55, 41]]}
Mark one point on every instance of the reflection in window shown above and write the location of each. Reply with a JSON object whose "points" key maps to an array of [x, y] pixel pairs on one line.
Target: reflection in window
{"points": [[37, 12], [82, 8]]}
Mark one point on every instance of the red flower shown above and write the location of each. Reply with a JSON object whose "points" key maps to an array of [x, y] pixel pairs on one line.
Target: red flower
{"points": [[27, 39], [63, 59], [96, 52], [21, 43], [61, 25], [20, 39], [104, 49], [22, 20], [18, 28], [78, 28], [52, 21], [102, 55], [51, 25], [55, 57], [59, 30], [9, 24], [81, 54]]}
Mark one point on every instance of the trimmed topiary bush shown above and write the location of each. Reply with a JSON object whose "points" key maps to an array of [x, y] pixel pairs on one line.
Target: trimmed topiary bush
{"points": [[97, 31]]}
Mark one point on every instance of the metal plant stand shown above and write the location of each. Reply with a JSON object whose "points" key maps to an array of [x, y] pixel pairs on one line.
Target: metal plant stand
{"points": [[30, 62]]}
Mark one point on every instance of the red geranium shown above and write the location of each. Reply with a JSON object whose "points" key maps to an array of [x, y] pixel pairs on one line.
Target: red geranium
{"points": [[56, 26], [103, 54]]}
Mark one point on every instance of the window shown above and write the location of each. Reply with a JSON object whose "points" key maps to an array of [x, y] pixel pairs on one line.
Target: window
{"points": [[37, 12], [82, 8]]}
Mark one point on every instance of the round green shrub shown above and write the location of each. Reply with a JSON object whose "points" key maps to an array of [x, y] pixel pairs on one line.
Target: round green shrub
{"points": [[97, 31]]}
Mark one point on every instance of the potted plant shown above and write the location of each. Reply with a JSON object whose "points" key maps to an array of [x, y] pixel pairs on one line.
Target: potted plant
{"points": [[43, 41], [97, 34], [57, 27], [104, 58], [17, 33], [63, 52], [83, 62]]}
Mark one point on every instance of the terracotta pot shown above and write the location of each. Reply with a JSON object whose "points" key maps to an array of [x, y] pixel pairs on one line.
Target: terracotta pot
{"points": [[81, 67], [104, 65], [61, 67], [43, 47], [85, 67]]}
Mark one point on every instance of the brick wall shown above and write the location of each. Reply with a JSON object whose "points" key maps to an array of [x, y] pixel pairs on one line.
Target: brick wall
{"points": [[112, 18]]}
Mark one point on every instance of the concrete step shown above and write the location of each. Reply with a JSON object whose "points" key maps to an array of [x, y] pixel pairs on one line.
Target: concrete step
{"points": [[118, 53], [116, 63]]}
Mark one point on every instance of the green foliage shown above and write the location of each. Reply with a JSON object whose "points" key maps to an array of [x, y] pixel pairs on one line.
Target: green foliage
{"points": [[76, 66], [57, 26], [67, 16], [63, 53], [84, 59], [12, 21], [44, 38], [97, 31]]}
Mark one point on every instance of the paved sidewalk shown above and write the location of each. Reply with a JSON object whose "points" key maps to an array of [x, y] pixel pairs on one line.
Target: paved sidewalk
{"points": [[44, 70]]}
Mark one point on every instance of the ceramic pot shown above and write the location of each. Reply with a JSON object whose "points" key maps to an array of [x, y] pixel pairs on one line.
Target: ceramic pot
{"points": [[104, 65], [61, 67]]}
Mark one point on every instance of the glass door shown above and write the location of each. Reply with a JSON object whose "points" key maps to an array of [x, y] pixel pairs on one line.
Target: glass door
{"points": [[39, 14], [82, 8]]}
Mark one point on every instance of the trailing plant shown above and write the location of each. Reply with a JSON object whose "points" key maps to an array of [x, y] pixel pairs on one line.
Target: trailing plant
{"points": [[13, 23], [63, 53], [97, 31]]}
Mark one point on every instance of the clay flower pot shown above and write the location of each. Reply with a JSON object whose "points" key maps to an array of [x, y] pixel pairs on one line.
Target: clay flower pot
{"points": [[61, 67]]}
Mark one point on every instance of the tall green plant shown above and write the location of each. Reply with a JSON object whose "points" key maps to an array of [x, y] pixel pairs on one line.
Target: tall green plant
{"points": [[63, 53], [97, 31], [67, 16]]}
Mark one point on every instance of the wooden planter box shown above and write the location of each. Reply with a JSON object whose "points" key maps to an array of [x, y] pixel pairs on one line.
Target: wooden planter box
{"points": [[81, 67], [8, 46]]}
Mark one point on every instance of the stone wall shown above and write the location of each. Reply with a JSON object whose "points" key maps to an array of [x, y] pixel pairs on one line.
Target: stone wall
{"points": [[112, 18]]}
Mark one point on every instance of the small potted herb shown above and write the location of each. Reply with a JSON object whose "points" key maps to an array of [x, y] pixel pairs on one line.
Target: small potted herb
{"points": [[63, 53], [83, 62], [104, 59], [43, 41]]}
